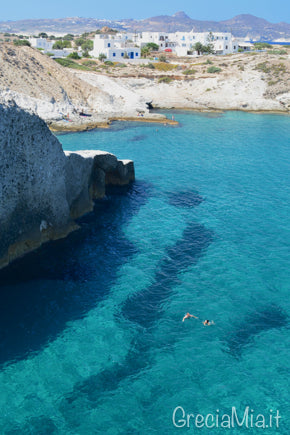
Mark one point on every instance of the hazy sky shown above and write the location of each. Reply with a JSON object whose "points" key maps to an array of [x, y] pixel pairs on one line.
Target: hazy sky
{"points": [[274, 11]]}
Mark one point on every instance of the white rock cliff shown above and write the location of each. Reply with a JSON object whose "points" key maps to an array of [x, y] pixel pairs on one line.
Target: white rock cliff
{"points": [[43, 189]]}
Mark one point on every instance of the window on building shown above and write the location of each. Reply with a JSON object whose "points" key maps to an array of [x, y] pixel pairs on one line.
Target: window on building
{"points": [[122, 54], [109, 44], [226, 38], [114, 54], [234, 47], [226, 47], [136, 54], [183, 45]]}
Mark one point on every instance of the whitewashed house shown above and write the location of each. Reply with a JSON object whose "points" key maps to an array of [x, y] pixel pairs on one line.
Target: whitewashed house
{"points": [[42, 43], [242, 44], [222, 42], [162, 39], [115, 47], [184, 42], [46, 45]]}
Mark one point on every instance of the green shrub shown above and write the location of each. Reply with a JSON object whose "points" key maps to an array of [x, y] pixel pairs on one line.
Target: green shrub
{"points": [[60, 45], [152, 46], [280, 52], [86, 55], [88, 45], [162, 58], [148, 65], [263, 67], [102, 57], [89, 63], [165, 79], [19, 42], [208, 62], [189, 72], [213, 69], [79, 41], [68, 37], [109, 63], [261, 45], [71, 64], [73, 55]]}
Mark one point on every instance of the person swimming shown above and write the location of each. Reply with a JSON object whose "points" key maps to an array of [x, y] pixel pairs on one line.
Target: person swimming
{"points": [[208, 323], [187, 316]]}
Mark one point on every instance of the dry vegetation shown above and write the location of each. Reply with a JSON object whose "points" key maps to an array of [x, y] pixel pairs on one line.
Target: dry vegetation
{"points": [[27, 70], [274, 68]]}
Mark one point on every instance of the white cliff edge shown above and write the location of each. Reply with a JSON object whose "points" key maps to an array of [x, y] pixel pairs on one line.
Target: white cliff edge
{"points": [[42, 189]]}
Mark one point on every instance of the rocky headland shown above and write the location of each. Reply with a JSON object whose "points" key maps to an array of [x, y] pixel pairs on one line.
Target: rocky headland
{"points": [[42, 189]]}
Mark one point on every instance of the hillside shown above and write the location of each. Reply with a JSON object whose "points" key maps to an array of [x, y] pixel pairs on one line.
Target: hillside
{"points": [[37, 82], [241, 25], [244, 81]]}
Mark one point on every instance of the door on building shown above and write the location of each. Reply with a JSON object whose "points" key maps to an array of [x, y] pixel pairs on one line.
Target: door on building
{"points": [[131, 55]]}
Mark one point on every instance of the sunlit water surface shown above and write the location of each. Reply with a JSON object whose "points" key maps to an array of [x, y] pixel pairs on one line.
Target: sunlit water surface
{"points": [[92, 339]]}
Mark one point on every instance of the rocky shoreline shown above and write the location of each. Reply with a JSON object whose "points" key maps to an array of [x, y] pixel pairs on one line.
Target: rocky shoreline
{"points": [[42, 189], [76, 126]]}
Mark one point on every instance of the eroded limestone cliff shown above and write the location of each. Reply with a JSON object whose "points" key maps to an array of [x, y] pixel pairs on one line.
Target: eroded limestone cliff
{"points": [[43, 189]]}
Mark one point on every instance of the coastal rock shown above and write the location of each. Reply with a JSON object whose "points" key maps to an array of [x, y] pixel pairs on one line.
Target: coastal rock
{"points": [[43, 189], [87, 174], [123, 173]]}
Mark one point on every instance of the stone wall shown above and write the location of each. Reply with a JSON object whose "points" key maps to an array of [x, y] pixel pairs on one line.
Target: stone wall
{"points": [[43, 189]]}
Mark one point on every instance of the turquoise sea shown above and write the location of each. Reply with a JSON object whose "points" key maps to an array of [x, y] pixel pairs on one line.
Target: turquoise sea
{"points": [[92, 339]]}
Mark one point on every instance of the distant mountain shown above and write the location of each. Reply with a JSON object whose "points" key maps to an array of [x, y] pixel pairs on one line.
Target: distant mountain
{"points": [[241, 25], [257, 27], [75, 25]]}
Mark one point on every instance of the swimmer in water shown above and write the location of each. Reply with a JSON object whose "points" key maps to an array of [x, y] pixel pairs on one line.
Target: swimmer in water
{"points": [[187, 316], [208, 323]]}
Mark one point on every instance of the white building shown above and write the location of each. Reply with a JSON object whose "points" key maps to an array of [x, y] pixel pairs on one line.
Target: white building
{"points": [[185, 41], [243, 45], [46, 45], [120, 46], [223, 43], [43, 43], [116, 47], [162, 39]]}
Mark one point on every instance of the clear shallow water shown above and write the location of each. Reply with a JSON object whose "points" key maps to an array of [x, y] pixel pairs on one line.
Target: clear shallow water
{"points": [[91, 333]]}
